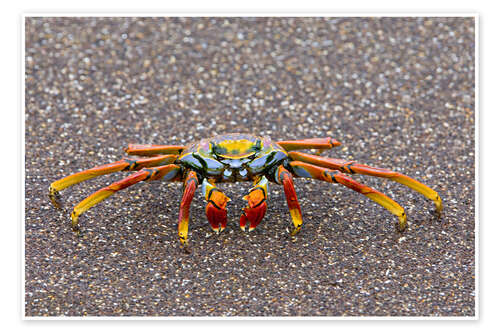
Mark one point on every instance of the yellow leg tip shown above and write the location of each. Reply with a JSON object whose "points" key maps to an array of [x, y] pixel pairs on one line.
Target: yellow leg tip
{"points": [[295, 229], [184, 243], [402, 225], [182, 238], [74, 222], [55, 197], [297, 221], [439, 206]]}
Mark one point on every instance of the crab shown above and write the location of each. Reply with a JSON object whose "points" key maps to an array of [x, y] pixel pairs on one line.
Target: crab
{"points": [[237, 157]]}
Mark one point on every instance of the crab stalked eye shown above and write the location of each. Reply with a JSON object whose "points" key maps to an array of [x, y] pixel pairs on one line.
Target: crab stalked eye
{"points": [[218, 150], [257, 146]]}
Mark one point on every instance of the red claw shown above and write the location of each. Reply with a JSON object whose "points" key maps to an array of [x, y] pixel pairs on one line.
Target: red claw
{"points": [[216, 211], [255, 211]]}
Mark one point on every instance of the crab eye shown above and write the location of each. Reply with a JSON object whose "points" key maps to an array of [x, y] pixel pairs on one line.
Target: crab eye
{"points": [[218, 150], [257, 146]]}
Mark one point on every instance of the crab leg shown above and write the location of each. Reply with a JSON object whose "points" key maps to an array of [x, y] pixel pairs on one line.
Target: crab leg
{"points": [[169, 172], [122, 165], [284, 177], [256, 209], [352, 167], [190, 185], [317, 143], [151, 150], [302, 169], [216, 206]]}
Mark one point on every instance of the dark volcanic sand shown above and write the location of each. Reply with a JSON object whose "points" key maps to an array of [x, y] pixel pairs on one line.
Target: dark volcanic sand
{"points": [[397, 92]]}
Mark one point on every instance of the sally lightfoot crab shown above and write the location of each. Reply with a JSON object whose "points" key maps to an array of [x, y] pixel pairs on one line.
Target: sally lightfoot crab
{"points": [[232, 158]]}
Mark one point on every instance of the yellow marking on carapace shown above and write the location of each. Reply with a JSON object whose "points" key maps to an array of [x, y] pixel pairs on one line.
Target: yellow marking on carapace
{"points": [[236, 149]]}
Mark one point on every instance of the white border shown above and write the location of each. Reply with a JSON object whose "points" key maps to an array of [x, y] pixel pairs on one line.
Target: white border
{"points": [[247, 14]]}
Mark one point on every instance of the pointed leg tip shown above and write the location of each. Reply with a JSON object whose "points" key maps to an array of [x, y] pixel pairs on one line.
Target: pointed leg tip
{"points": [[76, 230], [297, 221], [56, 203], [74, 223], [402, 225], [294, 229], [184, 243], [439, 206], [55, 198]]}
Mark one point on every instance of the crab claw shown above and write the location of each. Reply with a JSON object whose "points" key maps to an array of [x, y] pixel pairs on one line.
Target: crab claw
{"points": [[253, 215], [216, 210], [257, 206], [216, 206]]}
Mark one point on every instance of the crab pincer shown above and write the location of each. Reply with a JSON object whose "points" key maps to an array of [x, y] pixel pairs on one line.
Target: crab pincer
{"points": [[216, 206], [257, 206]]}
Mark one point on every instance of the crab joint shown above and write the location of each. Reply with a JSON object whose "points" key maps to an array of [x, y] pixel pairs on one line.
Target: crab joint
{"points": [[216, 206], [257, 206]]}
